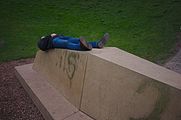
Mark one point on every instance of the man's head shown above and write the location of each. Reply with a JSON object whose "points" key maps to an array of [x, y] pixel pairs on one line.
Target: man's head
{"points": [[44, 42]]}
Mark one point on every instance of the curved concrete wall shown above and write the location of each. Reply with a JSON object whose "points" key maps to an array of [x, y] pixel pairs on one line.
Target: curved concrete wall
{"points": [[111, 84]]}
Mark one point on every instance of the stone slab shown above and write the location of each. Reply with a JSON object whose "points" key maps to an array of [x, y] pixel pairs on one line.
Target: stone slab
{"points": [[65, 71], [49, 101], [139, 65], [119, 85], [111, 84]]}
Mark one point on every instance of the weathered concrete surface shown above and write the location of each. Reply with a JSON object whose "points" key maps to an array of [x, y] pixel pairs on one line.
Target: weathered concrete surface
{"points": [[118, 93], [129, 88], [51, 103], [139, 65], [65, 69], [112, 84]]}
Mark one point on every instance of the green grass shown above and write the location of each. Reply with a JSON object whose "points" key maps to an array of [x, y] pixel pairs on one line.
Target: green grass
{"points": [[146, 28]]}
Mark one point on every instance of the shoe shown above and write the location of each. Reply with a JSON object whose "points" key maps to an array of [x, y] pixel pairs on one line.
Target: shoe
{"points": [[45, 43], [85, 45], [103, 40]]}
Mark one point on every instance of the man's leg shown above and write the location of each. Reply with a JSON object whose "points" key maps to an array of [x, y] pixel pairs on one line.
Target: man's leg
{"points": [[94, 44], [62, 43], [100, 43]]}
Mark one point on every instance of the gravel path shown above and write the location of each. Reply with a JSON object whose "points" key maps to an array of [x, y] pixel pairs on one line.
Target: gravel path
{"points": [[15, 104], [175, 63]]}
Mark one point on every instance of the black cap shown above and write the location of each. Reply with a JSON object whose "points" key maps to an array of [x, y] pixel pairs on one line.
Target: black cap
{"points": [[43, 43]]}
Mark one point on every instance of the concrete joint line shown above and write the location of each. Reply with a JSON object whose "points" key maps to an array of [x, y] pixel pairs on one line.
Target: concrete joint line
{"points": [[83, 82]]}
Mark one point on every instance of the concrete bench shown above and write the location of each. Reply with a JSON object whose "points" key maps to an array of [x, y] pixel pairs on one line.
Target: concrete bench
{"points": [[102, 84]]}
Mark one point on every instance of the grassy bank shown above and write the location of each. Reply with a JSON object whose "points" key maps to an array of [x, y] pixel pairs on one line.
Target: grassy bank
{"points": [[145, 28]]}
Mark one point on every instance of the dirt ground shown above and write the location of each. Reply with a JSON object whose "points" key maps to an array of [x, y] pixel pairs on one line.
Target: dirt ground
{"points": [[15, 104]]}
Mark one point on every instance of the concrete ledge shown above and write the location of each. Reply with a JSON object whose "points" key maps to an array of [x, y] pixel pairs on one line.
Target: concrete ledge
{"points": [[111, 84], [139, 65], [50, 102]]}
